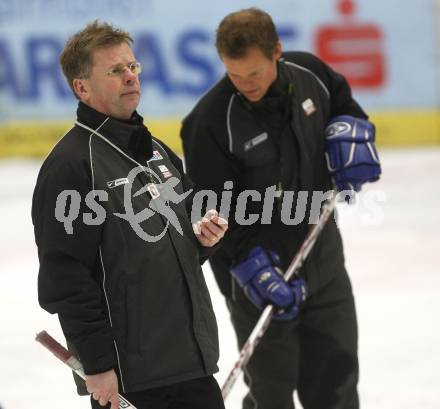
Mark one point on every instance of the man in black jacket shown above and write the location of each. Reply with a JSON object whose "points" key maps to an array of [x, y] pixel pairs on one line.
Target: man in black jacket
{"points": [[119, 258], [261, 129]]}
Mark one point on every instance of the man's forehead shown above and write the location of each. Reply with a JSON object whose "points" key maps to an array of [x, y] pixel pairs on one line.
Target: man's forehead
{"points": [[113, 55], [252, 61], [243, 68]]}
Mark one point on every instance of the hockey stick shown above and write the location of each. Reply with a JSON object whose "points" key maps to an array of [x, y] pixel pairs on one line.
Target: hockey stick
{"points": [[264, 321], [64, 355]]}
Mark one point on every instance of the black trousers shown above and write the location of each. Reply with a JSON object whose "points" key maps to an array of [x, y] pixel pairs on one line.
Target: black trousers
{"points": [[202, 393], [315, 354]]}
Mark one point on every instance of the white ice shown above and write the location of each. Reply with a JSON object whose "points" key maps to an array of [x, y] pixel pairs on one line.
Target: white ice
{"points": [[392, 248]]}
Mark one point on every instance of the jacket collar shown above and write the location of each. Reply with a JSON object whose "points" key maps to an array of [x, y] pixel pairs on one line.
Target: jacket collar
{"points": [[280, 86], [132, 136]]}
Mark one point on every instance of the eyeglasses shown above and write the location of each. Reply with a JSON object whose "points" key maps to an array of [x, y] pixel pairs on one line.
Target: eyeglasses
{"points": [[134, 68]]}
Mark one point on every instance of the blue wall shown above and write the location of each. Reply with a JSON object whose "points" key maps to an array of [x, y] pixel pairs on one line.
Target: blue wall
{"points": [[387, 49]]}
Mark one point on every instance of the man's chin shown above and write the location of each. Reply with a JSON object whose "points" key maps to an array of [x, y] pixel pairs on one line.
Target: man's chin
{"points": [[253, 96], [131, 102]]}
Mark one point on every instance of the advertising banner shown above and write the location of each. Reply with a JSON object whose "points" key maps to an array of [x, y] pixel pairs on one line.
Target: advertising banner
{"points": [[387, 51]]}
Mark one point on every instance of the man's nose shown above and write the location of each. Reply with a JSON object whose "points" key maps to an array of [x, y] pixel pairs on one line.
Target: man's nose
{"points": [[129, 76], [246, 83]]}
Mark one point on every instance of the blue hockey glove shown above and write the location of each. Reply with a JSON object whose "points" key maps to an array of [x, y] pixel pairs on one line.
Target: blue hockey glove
{"points": [[264, 284], [351, 154]]}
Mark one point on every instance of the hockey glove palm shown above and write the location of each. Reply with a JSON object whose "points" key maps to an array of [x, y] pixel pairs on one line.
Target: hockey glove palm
{"points": [[264, 284], [350, 153]]}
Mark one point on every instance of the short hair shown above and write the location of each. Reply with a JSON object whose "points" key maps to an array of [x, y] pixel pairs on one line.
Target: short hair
{"points": [[76, 58], [243, 29]]}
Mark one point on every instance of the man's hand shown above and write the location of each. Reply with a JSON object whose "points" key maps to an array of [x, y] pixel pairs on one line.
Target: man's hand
{"points": [[104, 388], [211, 229], [351, 155], [263, 283]]}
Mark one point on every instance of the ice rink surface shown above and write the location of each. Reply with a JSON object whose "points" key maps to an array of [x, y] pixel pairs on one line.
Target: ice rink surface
{"points": [[392, 248]]}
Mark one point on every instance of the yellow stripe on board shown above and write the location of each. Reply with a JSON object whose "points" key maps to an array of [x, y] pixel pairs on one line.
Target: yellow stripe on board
{"points": [[29, 138], [32, 138], [168, 131], [407, 128], [36, 138]]}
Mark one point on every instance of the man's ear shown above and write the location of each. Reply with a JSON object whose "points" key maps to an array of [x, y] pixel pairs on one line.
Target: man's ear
{"points": [[81, 89], [278, 50]]}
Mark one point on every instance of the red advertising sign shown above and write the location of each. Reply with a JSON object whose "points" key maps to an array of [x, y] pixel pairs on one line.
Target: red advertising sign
{"points": [[353, 49]]}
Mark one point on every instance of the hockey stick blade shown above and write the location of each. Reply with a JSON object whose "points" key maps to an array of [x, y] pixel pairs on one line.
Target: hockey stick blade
{"points": [[264, 320], [73, 363]]}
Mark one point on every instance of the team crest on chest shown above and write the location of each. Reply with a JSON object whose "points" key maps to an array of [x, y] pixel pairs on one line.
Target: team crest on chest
{"points": [[156, 156], [308, 106]]}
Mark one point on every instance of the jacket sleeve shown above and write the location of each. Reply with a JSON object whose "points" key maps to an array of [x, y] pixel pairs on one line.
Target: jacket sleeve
{"points": [[68, 280], [209, 164], [341, 99]]}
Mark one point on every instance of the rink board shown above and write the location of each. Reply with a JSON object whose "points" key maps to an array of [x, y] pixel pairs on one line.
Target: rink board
{"points": [[393, 129]]}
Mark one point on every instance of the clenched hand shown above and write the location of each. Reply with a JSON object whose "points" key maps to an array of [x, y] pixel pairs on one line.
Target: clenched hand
{"points": [[104, 388], [210, 229]]}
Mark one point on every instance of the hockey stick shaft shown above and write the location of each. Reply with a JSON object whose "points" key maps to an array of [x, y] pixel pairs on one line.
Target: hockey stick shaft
{"points": [[73, 363], [264, 320]]}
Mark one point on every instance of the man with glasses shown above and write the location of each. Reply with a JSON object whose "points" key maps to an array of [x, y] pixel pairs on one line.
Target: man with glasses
{"points": [[122, 274]]}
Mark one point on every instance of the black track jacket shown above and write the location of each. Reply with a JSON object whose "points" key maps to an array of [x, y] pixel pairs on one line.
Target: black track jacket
{"points": [[125, 300], [276, 142]]}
